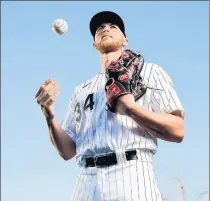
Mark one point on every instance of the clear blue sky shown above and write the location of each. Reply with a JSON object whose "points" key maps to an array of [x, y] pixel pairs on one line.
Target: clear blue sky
{"points": [[174, 35]]}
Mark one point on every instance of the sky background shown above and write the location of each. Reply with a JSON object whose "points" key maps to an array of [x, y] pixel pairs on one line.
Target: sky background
{"points": [[174, 35]]}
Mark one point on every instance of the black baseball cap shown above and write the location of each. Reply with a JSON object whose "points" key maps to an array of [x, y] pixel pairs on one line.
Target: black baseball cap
{"points": [[106, 17]]}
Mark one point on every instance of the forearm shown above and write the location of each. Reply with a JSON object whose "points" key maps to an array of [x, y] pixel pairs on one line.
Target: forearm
{"points": [[60, 140], [162, 125]]}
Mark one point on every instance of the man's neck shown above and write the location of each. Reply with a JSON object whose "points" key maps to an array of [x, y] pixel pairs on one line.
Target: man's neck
{"points": [[107, 58]]}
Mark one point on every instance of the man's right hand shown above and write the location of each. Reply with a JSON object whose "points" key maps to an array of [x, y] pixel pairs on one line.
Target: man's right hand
{"points": [[46, 95]]}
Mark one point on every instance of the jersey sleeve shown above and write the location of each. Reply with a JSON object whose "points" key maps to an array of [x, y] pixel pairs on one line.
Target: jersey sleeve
{"points": [[69, 124], [164, 97]]}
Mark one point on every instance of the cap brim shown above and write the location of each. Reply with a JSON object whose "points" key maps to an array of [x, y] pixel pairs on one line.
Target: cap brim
{"points": [[106, 17]]}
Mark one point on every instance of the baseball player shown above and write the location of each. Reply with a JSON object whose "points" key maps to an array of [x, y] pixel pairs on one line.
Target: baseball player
{"points": [[114, 119]]}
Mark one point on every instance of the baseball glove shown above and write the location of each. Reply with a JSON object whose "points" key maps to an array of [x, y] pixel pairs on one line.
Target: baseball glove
{"points": [[123, 77]]}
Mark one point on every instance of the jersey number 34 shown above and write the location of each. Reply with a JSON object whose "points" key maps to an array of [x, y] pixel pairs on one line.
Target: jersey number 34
{"points": [[88, 104]]}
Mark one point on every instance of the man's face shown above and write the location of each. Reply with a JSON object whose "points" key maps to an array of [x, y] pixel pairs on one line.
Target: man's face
{"points": [[109, 38]]}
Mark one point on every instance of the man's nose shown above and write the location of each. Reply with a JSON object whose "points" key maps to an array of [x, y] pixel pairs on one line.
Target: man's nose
{"points": [[106, 29]]}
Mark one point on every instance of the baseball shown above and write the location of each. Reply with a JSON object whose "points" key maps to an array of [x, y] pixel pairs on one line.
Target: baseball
{"points": [[59, 26]]}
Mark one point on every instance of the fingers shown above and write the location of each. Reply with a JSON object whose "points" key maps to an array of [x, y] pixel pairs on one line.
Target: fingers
{"points": [[107, 63], [39, 91], [47, 93], [43, 86], [49, 99]]}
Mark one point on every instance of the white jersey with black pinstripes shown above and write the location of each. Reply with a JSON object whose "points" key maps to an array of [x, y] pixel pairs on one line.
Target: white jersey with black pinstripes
{"points": [[95, 130]]}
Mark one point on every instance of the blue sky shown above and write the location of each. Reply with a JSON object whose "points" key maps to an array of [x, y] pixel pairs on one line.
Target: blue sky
{"points": [[174, 35]]}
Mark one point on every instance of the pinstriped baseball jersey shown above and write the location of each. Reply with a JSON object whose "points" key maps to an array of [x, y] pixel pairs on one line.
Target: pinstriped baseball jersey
{"points": [[96, 130]]}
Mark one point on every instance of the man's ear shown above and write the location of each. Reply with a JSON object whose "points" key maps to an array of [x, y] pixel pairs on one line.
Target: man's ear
{"points": [[125, 42], [94, 45]]}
